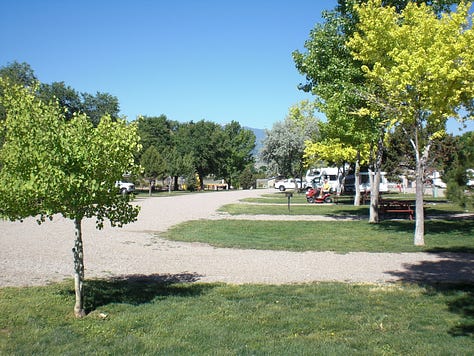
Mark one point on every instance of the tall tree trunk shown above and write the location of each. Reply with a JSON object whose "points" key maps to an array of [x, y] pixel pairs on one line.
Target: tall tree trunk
{"points": [[374, 196], [357, 181], [421, 159], [175, 184], [375, 189], [78, 252], [419, 239], [201, 181]]}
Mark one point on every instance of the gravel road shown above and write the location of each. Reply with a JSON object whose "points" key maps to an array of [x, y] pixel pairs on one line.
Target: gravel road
{"points": [[32, 254]]}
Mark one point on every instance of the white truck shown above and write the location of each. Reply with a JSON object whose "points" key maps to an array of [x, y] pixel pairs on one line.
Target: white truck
{"points": [[125, 187]]}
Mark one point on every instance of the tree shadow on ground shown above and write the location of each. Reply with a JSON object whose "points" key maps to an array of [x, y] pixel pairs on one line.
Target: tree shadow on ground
{"points": [[449, 229], [453, 276], [140, 289], [360, 211]]}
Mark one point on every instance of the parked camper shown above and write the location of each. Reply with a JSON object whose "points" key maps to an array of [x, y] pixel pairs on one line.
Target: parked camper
{"points": [[316, 177], [364, 183], [437, 181]]}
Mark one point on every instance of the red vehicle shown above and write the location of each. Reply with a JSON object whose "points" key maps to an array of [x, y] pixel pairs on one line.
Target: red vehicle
{"points": [[313, 196]]}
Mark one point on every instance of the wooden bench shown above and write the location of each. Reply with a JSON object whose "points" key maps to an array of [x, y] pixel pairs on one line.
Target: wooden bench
{"points": [[396, 207]]}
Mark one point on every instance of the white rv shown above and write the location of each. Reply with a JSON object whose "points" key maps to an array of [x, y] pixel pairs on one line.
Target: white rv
{"points": [[315, 177], [364, 184], [437, 181]]}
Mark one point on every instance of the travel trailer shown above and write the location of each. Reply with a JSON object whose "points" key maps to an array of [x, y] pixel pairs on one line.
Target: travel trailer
{"points": [[315, 177], [364, 184]]}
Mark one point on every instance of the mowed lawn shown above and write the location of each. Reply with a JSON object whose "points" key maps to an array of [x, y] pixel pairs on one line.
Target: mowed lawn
{"points": [[337, 236], [142, 316], [154, 315], [444, 230]]}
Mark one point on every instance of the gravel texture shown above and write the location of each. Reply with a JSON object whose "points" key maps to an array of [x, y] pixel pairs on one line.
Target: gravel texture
{"points": [[32, 254]]}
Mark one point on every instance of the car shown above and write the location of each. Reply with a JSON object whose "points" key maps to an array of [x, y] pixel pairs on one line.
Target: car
{"points": [[125, 187], [470, 177], [285, 184]]}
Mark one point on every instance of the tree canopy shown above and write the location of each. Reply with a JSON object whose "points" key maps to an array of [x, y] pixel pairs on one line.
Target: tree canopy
{"points": [[283, 146], [423, 66], [94, 106], [51, 165]]}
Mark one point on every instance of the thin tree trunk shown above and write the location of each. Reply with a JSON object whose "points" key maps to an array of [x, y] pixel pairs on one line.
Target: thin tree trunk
{"points": [[78, 252], [421, 159], [375, 189], [201, 181], [419, 239], [175, 185], [357, 181], [374, 197]]}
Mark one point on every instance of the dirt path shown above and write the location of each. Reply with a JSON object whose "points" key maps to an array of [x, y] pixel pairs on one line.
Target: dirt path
{"points": [[32, 254]]}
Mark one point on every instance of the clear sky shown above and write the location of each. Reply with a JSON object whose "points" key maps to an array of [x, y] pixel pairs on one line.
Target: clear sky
{"points": [[218, 60]]}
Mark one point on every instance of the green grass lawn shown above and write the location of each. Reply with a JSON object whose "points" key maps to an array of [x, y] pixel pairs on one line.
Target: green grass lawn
{"points": [[301, 209], [143, 315], [340, 236], [148, 317], [277, 204]]}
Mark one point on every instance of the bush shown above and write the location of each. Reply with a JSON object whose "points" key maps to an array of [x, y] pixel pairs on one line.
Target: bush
{"points": [[247, 178]]}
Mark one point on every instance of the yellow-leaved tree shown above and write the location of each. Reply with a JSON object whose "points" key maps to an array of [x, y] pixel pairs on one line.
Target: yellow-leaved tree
{"points": [[336, 151], [423, 65]]}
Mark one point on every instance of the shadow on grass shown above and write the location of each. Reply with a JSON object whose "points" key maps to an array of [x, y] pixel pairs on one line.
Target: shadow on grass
{"points": [[445, 229], [451, 275], [139, 289], [361, 211]]}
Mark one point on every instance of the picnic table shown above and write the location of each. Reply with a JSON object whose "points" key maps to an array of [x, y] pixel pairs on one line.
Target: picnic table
{"points": [[396, 207]]}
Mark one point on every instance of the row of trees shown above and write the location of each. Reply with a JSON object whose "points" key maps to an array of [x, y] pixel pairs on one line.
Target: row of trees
{"points": [[51, 164], [94, 106], [192, 148], [61, 153], [170, 148], [378, 67]]}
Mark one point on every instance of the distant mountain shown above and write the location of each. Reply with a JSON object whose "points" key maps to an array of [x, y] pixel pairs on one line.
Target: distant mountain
{"points": [[260, 136]]}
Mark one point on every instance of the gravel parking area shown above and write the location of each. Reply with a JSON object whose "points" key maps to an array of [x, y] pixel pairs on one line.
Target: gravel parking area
{"points": [[32, 254]]}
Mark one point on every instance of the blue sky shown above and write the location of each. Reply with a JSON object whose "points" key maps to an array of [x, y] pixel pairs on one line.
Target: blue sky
{"points": [[190, 60]]}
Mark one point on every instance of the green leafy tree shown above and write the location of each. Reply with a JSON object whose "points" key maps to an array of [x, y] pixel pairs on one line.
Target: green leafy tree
{"points": [[238, 146], [422, 65], [399, 158], [98, 105], [177, 166], [51, 165], [461, 171], [157, 131], [341, 89], [154, 166], [283, 146], [186, 169], [204, 140], [67, 97], [247, 178], [19, 73], [94, 106], [335, 78], [438, 6]]}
